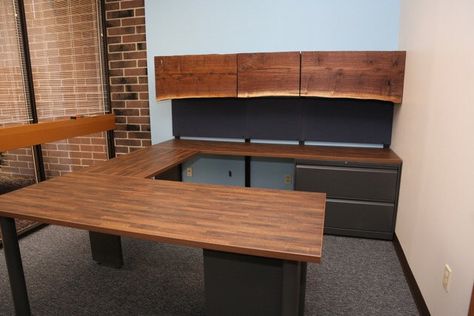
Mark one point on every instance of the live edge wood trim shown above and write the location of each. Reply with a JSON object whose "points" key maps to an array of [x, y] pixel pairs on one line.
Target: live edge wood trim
{"points": [[376, 75], [196, 76], [357, 75], [34, 134], [268, 74]]}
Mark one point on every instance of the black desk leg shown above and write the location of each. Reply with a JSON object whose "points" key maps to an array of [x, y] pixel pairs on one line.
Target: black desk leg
{"points": [[14, 266], [106, 249], [249, 285]]}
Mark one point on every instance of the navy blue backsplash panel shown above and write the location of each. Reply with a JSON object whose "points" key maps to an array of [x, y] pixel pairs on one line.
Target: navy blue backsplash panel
{"points": [[347, 120], [273, 118], [309, 119], [209, 118]]}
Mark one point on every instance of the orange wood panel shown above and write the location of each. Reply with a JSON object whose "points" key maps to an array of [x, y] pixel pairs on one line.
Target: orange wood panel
{"points": [[359, 75], [268, 74], [33, 134], [260, 222], [196, 76]]}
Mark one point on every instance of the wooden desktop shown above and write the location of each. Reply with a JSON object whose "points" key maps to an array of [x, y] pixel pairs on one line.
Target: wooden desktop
{"points": [[252, 238]]}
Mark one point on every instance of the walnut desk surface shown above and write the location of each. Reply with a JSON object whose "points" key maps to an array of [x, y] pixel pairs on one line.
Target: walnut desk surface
{"points": [[235, 226], [268, 223], [158, 158]]}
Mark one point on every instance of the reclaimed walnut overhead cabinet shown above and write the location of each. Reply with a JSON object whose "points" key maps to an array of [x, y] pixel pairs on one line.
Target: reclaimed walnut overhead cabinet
{"points": [[196, 76], [374, 75]]}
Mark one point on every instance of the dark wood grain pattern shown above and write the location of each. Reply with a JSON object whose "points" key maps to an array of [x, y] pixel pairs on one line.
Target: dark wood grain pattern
{"points": [[196, 76], [143, 163], [362, 155], [268, 74], [268, 223], [14, 137], [359, 75]]}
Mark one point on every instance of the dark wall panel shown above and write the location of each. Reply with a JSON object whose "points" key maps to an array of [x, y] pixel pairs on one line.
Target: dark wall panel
{"points": [[347, 120], [209, 118], [309, 119], [273, 118]]}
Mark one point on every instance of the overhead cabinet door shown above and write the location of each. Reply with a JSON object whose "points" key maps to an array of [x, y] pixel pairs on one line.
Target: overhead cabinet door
{"points": [[358, 75], [196, 76], [268, 74]]}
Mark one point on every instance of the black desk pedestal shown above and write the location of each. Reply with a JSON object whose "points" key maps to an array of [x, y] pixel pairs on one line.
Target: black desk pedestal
{"points": [[247, 285], [106, 249]]}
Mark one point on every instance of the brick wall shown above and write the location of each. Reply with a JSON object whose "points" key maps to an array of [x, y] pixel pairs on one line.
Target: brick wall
{"points": [[128, 73], [73, 154], [18, 162]]}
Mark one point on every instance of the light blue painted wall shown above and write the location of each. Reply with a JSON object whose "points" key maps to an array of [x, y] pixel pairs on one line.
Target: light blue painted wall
{"points": [[179, 27], [216, 170], [271, 173]]}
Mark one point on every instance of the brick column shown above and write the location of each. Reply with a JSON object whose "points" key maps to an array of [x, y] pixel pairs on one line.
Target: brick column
{"points": [[128, 73]]}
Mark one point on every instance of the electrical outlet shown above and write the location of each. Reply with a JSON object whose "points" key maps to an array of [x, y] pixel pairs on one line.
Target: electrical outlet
{"points": [[189, 172], [447, 277], [287, 179]]}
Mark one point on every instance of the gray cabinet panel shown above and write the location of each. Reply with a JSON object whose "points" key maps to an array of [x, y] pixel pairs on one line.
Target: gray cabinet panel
{"points": [[357, 215], [362, 199], [348, 182]]}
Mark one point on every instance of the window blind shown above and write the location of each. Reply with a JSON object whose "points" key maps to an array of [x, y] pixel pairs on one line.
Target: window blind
{"points": [[64, 39], [14, 108]]}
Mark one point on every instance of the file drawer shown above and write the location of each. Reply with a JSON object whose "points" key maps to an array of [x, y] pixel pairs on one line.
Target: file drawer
{"points": [[348, 182], [356, 215]]}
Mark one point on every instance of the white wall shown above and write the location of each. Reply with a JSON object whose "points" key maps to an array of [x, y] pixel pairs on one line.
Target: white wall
{"points": [[178, 27], [434, 134]]}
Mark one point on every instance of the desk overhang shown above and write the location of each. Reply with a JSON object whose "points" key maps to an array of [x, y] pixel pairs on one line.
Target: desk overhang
{"points": [[269, 223]]}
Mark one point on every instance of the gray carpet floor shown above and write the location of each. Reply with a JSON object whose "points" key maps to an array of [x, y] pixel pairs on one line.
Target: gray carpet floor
{"points": [[355, 277]]}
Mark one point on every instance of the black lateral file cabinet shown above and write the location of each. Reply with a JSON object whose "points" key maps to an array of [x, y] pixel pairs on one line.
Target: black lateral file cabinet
{"points": [[361, 198]]}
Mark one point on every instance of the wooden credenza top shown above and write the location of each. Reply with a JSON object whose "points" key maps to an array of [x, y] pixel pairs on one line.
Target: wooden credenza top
{"points": [[158, 158], [363, 155], [144, 163], [269, 223]]}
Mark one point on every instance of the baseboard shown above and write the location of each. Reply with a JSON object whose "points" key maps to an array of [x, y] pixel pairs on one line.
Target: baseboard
{"points": [[415, 290]]}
